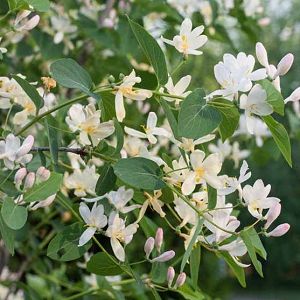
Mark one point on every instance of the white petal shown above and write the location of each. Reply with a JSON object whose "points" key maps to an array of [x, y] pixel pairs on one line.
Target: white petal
{"points": [[117, 249], [86, 236]]}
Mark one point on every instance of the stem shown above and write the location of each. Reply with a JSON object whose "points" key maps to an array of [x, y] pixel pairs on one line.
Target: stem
{"points": [[181, 63], [87, 292], [79, 151]]}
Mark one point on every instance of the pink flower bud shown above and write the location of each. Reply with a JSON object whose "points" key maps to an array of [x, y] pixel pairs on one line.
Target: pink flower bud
{"points": [[26, 146], [180, 280], [295, 96], [29, 180], [170, 276], [284, 65], [262, 55], [31, 23], [159, 237], [19, 176], [42, 174], [272, 214], [149, 245], [279, 230], [164, 256]]}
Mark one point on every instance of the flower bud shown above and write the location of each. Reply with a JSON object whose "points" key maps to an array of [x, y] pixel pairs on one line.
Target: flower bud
{"points": [[42, 174], [180, 280], [111, 79], [272, 214], [19, 176], [26, 146], [164, 256], [295, 96], [121, 76], [170, 276], [159, 237], [279, 230], [31, 23], [29, 180], [284, 65], [149, 245], [262, 55]]}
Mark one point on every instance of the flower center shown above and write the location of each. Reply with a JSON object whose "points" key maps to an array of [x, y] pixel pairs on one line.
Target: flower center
{"points": [[184, 45], [199, 174]]}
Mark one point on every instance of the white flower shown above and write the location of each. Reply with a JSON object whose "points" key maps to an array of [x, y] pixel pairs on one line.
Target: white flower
{"points": [[120, 198], [255, 104], [185, 212], [179, 89], [10, 90], [94, 219], [87, 121], [125, 90], [223, 149], [150, 130], [188, 40], [251, 7], [235, 74], [237, 155], [29, 109], [2, 50], [203, 171], [256, 198], [188, 145], [62, 26], [186, 7], [119, 233], [12, 152], [179, 171], [144, 152], [82, 181]]}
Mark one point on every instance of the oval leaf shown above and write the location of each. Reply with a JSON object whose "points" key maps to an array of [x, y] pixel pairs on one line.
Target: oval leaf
{"points": [[140, 173], [196, 118]]}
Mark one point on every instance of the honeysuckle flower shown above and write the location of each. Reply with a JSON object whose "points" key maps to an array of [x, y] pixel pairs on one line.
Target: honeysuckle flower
{"points": [[170, 276], [83, 182], [61, 26], [272, 214], [49, 100], [188, 40], [95, 219], [29, 109], [179, 171], [222, 148], [150, 130], [125, 90], [149, 246], [188, 145], [204, 170], [252, 7], [294, 96], [185, 212], [29, 181], [255, 104], [256, 198], [180, 280], [237, 155], [86, 120], [166, 256], [19, 176], [235, 74], [154, 202], [159, 238], [236, 249], [179, 89], [144, 152], [13, 153], [280, 230], [119, 233], [43, 203], [185, 7], [232, 184], [120, 198]]}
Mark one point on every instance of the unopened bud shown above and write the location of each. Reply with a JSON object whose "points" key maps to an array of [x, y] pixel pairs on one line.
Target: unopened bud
{"points": [[26, 146], [159, 237], [31, 23], [42, 174], [149, 245], [111, 79], [272, 214], [121, 76], [29, 180], [180, 280], [295, 96], [284, 65], [279, 230], [262, 55], [19, 176], [168, 255], [170, 276]]}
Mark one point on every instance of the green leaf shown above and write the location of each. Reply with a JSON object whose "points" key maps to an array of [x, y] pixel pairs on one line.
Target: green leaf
{"points": [[140, 173], [189, 249], [64, 246], [15, 216], [256, 242], [195, 265], [188, 294], [152, 51], [44, 189], [52, 132], [238, 271], [39, 5], [280, 137], [101, 264], [68, 73], [31, 91], [106, 181], [230, 117], [120, 136], [167, 195], [251, 250], [274, 97], [212, 197], [170, 117], [8, 236], [196, 118]]}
